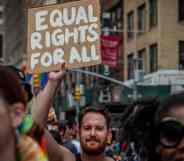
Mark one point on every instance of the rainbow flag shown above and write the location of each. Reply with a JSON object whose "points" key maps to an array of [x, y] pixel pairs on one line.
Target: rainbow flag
{"points": [[43, 78]]}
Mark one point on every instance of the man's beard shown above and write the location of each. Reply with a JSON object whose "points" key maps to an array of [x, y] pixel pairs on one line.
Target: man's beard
{"points": [[96, 151]]}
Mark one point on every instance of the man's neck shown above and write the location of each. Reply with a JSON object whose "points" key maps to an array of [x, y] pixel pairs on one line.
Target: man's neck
{"points": [[85, 157], [8, 153]]}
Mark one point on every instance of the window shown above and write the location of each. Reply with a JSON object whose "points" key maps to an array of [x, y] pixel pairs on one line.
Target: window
{"points": [[1, 46], [181, 10], [141, 59], [113, 17], [153, 58], [130, 67], [130, 27], [181, 54], [106, 19], [153, 15], [47, 2], [119, 13], [141, 18], [1, 14]]}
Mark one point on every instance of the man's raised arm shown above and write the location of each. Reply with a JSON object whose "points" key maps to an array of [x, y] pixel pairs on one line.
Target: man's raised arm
{"points": [[43, 102]]}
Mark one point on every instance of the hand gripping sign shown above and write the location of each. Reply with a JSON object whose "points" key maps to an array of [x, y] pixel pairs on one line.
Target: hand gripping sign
{"points": [[67, 32]]}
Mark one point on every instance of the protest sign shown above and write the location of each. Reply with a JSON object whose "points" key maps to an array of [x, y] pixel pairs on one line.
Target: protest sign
{"points": [[67, 32]]}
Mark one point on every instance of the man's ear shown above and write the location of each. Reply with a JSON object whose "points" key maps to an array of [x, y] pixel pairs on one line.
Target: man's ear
{"points": [[17, 114], [109, 135]]}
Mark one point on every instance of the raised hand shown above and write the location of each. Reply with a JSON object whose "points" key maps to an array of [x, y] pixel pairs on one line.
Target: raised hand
{"points": [[57, 76]]}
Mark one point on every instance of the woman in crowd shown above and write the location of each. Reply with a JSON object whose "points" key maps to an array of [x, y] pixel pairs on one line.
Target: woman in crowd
{"points": [[25, 143], [169, 129], [15, 146], [157, 130]]}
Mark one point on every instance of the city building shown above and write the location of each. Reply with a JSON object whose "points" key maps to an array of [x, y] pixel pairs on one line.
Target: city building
{"points": [[153, 37], [2, 30], [112, 27], [13, 29]]}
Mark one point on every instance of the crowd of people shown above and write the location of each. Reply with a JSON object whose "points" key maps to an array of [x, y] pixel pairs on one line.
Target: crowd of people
{"points": [[151, 130]]}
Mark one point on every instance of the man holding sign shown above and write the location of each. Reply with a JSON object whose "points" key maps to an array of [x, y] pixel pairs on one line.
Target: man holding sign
{"points": [[93, 125], [69, 32]]}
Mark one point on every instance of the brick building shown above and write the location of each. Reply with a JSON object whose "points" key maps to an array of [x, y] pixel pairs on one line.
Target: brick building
{"points": [[154, 35]]}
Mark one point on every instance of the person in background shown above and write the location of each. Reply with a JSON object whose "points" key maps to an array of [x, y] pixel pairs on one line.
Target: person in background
{"points": [[159, 129], [28, 126], [13, 145], [68, 137], [76, 142], [169, 129], [116, 151], [62, 129], [138, 130]]}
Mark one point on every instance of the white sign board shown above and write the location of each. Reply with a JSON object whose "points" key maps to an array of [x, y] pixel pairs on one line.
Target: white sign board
{"points": [[67, 32]]}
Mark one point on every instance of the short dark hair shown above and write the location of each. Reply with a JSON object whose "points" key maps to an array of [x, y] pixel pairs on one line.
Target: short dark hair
{"points": [[172, 101], [99, 109], [22, 77], [10, 87]]}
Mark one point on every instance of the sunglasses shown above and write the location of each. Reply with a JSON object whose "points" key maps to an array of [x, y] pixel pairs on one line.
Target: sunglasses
{"points": [[170, 133]]}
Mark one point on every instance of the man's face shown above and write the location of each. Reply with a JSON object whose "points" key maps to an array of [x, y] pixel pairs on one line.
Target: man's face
{"points": [[175, 153], [6, 128], [93, 133]]}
